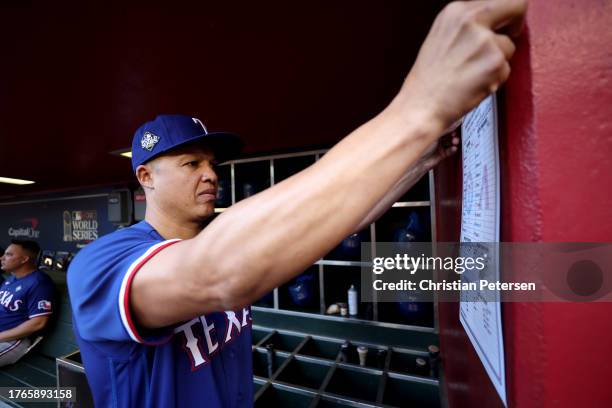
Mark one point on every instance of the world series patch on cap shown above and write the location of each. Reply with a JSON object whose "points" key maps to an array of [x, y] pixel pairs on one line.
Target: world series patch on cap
{"points": [[167, 132]]}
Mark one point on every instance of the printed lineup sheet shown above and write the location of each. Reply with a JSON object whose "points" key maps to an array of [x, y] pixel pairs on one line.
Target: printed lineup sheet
{"points": [[480, 317]]}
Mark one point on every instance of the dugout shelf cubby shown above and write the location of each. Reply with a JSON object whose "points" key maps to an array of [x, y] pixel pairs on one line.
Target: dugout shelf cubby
{"points": [[307, 370], [411, 218]]}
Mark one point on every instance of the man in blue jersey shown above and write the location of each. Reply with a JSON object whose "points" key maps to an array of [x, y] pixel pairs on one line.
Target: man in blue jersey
{"points": [[161, 309], [26, 300]]}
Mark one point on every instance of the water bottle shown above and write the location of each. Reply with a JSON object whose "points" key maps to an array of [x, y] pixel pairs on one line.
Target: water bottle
{"points": [[352, 301]]}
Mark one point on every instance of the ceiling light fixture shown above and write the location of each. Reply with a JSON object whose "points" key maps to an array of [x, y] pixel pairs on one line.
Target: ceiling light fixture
{"points": [[123, 152], [20, 182]]}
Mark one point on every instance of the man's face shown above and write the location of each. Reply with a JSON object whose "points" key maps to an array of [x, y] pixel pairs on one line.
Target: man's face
{"points": [[184, 183], [13, 258]]}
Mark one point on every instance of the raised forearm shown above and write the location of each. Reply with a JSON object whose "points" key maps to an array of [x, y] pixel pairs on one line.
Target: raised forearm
{"points": [[279, 232]]}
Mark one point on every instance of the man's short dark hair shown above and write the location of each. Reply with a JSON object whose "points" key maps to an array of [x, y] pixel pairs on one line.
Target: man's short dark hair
{"points": [[31, 247]]}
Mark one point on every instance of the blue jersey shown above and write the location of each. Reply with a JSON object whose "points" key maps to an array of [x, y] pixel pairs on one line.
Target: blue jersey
{"points": [[205, 361], [24, 298]]}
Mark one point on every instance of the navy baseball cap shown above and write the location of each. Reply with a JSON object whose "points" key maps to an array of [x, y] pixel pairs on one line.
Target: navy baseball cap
{"points": [[167, 132]]}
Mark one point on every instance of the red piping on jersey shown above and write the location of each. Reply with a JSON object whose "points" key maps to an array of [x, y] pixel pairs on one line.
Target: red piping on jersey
{"points": [[128, 286]]}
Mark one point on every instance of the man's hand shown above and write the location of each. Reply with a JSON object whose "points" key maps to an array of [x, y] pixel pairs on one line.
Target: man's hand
{"points": [[463, 59]]}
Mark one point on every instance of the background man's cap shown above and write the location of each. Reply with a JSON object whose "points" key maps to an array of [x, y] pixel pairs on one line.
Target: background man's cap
{"points": [[168, 132]]}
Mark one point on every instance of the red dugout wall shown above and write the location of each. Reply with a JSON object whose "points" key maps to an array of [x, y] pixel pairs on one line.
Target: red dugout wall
{"points": [[556, 184]]}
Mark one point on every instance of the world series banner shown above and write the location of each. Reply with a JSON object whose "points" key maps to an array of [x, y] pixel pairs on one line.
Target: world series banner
{"points": [[80, 225], [479, 315], [66, 223]]}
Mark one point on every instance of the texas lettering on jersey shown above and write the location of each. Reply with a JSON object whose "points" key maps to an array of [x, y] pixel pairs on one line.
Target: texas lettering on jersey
{"points": [[25, 298], [6, 298], [201, 336]]}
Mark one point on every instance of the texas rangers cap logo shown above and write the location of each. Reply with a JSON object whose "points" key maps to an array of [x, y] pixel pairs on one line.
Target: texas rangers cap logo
{"points": [[148, 141]]}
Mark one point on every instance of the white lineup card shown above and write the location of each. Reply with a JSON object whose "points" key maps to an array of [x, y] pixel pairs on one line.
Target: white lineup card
{"points": [[480, 317]]}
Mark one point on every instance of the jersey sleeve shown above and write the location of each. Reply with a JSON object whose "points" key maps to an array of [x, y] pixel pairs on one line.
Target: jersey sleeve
{"points": [[41, 299], [99, 282]]}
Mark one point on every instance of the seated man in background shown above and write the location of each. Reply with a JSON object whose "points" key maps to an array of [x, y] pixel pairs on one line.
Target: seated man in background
{"points": [[26, 300]]}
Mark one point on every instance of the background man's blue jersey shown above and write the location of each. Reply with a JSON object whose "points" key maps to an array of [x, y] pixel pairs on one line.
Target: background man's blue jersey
{"points": [[206, 361], [24, 298]]}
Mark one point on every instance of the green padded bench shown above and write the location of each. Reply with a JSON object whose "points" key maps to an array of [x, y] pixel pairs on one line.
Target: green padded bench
{"points": [[37, 368]]}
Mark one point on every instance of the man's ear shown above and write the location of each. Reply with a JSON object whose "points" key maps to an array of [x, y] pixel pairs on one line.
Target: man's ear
{"points": [[26, 259], [144, 174]]}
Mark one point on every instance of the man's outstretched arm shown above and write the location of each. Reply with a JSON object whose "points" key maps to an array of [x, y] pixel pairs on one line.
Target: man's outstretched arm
{"points": [[267, 239]]}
